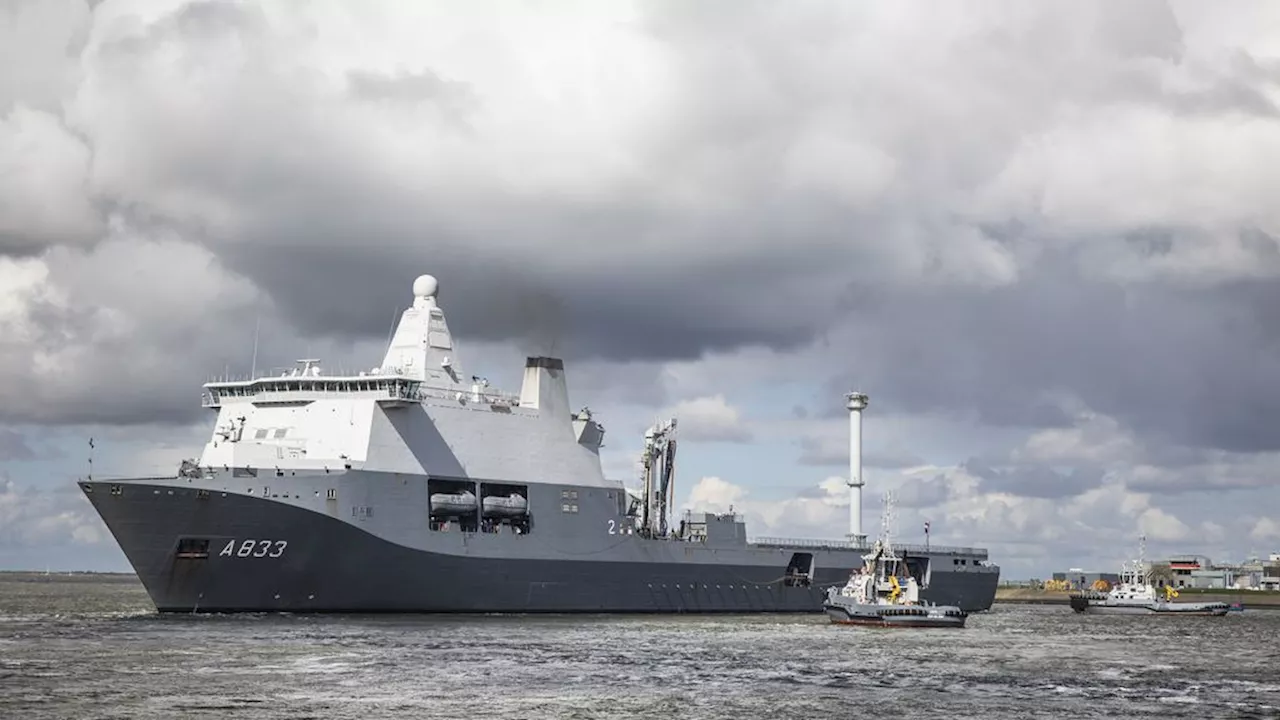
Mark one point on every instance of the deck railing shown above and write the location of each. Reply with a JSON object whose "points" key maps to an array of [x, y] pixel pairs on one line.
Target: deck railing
{"points": [[214, 398], [850, 545]]}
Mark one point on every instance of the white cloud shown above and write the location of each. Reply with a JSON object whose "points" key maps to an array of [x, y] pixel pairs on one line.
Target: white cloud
{"points": [[1024, 535], [714, 494], [1050, 265], [275, 139], [1093, 438], [43, 184], [710, 419], [85, 339], [764, 517], [1160, 525], [33, 519], [38, 45], [24, 282], [1266, 529]]}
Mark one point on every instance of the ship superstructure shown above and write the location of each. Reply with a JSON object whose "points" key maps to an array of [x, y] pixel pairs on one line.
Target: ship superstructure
{"points": [[415, 487]]}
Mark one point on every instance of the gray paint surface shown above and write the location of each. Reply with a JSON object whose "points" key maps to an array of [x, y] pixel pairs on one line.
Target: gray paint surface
{"points": [[331, 562]]}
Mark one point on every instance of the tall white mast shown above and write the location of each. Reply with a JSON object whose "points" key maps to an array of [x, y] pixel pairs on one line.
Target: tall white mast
{"points": [[856, 402]]}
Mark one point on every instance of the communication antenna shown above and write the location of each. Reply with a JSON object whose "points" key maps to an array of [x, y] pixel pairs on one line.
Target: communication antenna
{"points": [[889, 518], [391, 332], [253, 369]]}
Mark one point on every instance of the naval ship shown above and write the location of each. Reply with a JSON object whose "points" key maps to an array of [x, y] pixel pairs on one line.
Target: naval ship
{"points": [[413, 487]]}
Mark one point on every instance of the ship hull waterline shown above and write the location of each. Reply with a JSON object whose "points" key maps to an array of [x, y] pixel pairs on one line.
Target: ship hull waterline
{"points": [[873, 617], [1120, 610], [332, 566]]}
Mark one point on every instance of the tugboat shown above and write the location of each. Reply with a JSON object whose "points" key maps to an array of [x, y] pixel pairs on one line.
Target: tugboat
{"points": [[1136, 595], [882, 593]]}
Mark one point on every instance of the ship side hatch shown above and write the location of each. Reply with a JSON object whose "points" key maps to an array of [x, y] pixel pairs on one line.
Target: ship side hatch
{"points": [[799, 571], [192, 549], [918, 568]]}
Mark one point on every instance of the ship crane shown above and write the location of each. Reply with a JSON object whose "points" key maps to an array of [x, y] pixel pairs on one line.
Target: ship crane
{"points": [[657, 475]]}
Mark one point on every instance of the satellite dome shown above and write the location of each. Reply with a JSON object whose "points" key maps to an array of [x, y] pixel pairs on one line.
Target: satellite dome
{"points": [[425, 286]]}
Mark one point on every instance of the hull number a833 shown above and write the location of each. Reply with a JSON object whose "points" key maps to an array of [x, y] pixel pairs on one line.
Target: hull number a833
{"points": [[254, 548]]}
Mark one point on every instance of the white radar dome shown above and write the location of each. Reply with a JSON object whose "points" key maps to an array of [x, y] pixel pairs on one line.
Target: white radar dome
{"points": [[425, 286]]}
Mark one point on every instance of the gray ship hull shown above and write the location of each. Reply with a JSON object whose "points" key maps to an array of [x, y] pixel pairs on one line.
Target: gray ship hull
{"points": [[251, 554]]}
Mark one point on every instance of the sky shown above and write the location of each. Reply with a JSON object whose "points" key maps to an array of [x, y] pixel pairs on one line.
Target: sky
{"points": [[1041, 237]]}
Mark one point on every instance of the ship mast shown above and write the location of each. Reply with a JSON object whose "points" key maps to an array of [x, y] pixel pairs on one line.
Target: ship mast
{"points": [[1142, 560], [887, 526]]}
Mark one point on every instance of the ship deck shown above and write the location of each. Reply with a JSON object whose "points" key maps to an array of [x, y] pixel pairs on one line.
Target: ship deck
{"points": [[818, 544]]}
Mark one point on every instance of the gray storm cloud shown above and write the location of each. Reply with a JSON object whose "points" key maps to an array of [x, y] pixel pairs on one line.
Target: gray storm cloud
{"points": [[982, 209]]}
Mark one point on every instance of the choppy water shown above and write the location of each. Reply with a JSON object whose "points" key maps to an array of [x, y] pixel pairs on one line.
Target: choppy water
{"points": [[91, 647]]}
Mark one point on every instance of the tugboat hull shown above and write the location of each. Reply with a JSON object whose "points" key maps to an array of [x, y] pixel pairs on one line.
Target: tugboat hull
{"points": [[916, 616], [1100, 606]]}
